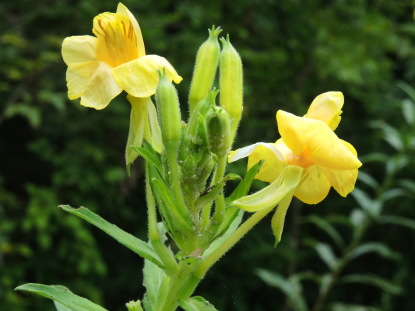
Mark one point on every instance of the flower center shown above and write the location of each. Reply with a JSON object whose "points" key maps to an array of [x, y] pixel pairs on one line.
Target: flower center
{"points": [[117, 41], [303, 159]]}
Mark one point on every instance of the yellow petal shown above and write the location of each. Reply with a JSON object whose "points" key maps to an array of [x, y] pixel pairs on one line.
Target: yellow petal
{"points": [[101, 88], [327, 108], [314, 187], [79, 49], [78, 76], [272, 166], [342, 181], [324, 147], [139, 77], [122, 9]]}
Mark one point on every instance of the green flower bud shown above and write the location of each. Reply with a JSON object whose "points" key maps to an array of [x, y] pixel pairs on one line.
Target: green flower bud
{"points": [[134, 306], [168, 108], [230, 82], [218, 126], [207, 60], [197, 124]]}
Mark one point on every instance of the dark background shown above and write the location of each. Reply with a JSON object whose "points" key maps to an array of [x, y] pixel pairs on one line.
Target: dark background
{"points": [[53, 151]]}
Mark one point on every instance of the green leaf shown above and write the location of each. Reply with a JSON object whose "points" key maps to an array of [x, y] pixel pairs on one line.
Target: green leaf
{"points": [[149, 155], [231, 229], [166, 202], [134, 306], [128, 240], [396, 220], [368, 180], [326, 254], [244, 186], [378, 248], [344, 307], [373, 207], [373, 280], [62, 296], [408, 111], [408, 89], [290, 287], [196, 303], [278, 219], [327, 228], [58, 305], [61, 307], [271, 195], [153, 278]]}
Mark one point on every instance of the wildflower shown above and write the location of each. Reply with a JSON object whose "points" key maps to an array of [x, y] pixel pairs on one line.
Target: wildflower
{"points": [[101, 67], [309, 142]]}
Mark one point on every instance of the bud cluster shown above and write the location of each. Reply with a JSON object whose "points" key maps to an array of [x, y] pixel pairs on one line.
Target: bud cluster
{"points": [[195, 153]]}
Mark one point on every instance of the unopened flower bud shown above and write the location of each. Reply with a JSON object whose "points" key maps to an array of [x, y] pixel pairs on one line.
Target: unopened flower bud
{"points": [[207, 60], [218, 127], [168, 108], [230, 83], [197, 122]]}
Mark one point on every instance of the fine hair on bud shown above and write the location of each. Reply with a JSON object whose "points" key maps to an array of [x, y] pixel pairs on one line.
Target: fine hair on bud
{"points": [[207, 60]]}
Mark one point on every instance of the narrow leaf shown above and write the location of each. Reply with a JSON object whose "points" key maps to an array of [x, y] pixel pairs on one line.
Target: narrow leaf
{"points": [[373, 280], [396, 220], [290, 287], [231, 229], [378, 248], [244, 186], [326, 254], [347, 307], [373, 207], [196, 303], [153, 278], [368, 180], [128, 240], [327, 228], [167, 204], [62, 296], [150, 156]]}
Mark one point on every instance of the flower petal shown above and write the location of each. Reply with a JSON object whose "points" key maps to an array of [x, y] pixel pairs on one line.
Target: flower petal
{"points": [[101, 88], [248, 150], [79, 49], [139, 77], [122, 9], [342, 181], [325, 148], [77, 77], [327, 107], [314, 187], [272, 166]]}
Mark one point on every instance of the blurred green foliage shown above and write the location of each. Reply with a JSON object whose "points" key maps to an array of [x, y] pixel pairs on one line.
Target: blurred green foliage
{"points": [[53, 151]]}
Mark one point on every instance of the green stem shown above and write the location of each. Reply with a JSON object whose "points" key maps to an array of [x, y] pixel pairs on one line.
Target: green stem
{"points": [[230, 242], [220, 200], [154, 235], [180, 286], [174, 178]]}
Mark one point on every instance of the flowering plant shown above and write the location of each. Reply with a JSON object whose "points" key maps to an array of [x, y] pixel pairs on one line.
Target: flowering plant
{"points": [[191, 223]]}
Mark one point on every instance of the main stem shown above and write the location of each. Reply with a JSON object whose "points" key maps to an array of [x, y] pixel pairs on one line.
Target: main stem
{"points": [[230, 242]]}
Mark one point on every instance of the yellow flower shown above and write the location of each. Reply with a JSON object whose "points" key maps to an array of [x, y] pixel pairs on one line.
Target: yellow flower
{"points": [[101, 67], [309, 142]]}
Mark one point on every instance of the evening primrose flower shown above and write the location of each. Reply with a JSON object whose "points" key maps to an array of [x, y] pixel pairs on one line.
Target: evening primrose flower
{"points": [[310, 143], [101, 67]]}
